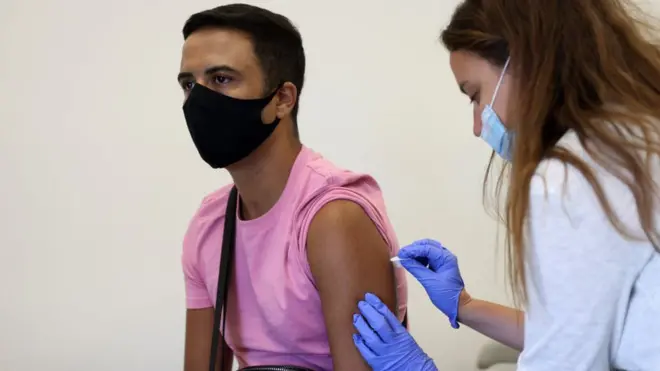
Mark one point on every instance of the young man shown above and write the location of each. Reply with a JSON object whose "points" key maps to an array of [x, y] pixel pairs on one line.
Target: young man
{"points": [[311, 239]]}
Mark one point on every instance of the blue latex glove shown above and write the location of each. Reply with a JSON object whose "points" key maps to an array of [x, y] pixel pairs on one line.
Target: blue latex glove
{"points": [[441, 279], [383, 341]]}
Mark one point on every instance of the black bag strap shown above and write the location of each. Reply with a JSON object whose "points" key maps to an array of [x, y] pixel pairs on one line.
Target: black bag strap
{"points": [[226, 258]]}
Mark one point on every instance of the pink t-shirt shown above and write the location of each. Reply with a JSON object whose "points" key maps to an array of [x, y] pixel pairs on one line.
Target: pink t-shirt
{"points": [[274, 315]]}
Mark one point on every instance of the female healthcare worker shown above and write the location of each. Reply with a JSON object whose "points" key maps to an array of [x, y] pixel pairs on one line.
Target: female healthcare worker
{"points": [[568, 92]]}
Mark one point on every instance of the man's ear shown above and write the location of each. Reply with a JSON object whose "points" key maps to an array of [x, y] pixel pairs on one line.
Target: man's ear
{"points": [[287, 96]]}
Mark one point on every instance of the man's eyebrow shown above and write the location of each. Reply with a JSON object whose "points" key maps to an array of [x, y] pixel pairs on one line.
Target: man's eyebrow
{"points": [[183, 75], [208, 71], [223, 68]]}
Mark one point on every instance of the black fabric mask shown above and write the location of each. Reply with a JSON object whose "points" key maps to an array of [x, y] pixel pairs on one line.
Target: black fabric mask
{"points": [[225, 130]]}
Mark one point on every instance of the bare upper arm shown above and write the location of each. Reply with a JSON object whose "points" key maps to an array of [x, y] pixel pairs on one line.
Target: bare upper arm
{"points": [[199, 326], [348, 257]]}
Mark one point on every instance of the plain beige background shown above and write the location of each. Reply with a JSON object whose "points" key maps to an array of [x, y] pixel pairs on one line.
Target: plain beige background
{"points": [[99, 177]]}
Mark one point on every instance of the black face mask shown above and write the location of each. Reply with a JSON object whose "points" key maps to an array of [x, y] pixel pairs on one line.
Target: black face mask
{"points": [[225, 130]]}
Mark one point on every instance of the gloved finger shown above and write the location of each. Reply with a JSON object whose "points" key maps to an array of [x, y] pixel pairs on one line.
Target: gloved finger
{"points": [[367, 333], [394, 324], [415, 268], [428, 241], [422, 249], [376, 321], [436, 254], [367, 353]]}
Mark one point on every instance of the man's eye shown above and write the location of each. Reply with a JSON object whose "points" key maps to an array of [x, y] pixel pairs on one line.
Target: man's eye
{"points": [[187, 85], [221, 79]]}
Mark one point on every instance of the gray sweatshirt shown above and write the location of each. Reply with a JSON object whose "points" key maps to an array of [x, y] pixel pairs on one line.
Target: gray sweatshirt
{"points": [[594, 296]]}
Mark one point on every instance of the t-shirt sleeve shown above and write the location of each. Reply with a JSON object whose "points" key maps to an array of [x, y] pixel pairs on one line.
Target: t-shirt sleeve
{"points": [[367, 195], [577, 281], [371, 205], [197, 295]]}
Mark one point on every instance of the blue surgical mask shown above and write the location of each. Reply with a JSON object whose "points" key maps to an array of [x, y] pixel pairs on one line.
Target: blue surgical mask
{"points": [[493, 130]]}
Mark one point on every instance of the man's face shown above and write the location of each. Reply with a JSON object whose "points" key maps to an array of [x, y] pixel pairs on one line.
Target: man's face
{"points": [[222, 60]]}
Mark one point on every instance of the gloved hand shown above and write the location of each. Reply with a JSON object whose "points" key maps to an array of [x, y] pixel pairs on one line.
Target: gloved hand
{"points": [[441, 279], [383, 341]]}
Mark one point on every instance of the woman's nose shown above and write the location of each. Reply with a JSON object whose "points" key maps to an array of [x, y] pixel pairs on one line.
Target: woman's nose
{"points": [[476, 124]]}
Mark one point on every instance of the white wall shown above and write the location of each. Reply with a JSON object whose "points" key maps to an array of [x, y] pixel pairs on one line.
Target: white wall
{"points": [[99, 176]]}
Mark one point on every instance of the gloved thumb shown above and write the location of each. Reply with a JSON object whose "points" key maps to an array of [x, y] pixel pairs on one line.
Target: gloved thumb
{"points": [[419, 271]]}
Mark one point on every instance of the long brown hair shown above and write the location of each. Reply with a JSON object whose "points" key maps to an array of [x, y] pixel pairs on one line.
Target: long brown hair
{"points": [[590, 66]]}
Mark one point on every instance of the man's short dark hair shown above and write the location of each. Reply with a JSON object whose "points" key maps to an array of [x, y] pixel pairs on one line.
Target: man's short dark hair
{"points": [[277, 42]]}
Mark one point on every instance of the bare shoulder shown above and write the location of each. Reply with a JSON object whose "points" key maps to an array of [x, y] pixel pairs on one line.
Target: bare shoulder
{"points": [[342, 229], [338, 213]]}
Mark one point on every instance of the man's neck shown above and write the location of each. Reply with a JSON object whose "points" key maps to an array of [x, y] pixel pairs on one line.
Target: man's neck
{"points": [[262, 176]]}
